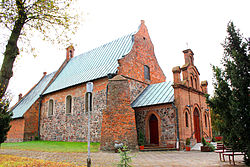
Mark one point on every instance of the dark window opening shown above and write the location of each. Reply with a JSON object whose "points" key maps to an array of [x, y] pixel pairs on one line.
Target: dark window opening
{"points": [[186, 118], [146, 72], [205, 120], [68, 104], [191, 80], [144, 38]]}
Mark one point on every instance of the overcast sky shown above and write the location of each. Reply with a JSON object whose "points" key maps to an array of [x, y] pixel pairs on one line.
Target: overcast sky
{"points": [[173, 25]]}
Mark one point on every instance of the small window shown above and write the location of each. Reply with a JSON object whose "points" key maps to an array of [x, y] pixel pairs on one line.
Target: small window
{"points": [[191, 81], [195, 82], [186, 118], [51, 107], [206, 120], [146, 72], [68, 104]]}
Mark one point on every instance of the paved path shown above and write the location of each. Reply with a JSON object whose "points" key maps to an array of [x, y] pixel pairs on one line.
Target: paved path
{"points": [[141, 159]]}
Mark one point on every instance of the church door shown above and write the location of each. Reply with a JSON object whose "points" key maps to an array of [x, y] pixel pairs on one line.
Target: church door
{"points": [[153, 130], [197, 132]]}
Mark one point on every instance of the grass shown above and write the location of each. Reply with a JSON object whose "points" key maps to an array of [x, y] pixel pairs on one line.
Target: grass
{"points": [[15, 161], [52, 146]]}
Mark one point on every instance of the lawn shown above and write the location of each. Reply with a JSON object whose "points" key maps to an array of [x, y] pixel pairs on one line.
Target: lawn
{"points": [[52, 146], [14, 161]]}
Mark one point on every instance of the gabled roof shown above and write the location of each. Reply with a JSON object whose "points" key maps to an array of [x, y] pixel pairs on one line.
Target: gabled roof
{"points": [[94, 64], [28, 100], [159, 93]]}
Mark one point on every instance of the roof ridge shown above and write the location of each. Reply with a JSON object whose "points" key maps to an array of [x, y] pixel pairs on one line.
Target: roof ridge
{"points": [[25, 96]]}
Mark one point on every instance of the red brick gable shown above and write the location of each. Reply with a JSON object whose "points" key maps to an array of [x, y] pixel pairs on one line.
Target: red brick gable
{"points": [[142, 53]]}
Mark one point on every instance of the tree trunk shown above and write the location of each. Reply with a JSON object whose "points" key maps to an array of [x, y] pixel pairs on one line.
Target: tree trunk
{"points": [[11, 50]]}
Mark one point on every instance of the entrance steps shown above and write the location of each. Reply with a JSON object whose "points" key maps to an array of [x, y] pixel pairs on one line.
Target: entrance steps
{"points": [[157, 148], [196, 147]]}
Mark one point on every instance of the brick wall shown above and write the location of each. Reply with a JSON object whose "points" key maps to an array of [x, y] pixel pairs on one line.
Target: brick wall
{"points": [[189, 95], [31, 122], [73, 127], [166, 121], [118, 123], [16, 132], [142, 53]]}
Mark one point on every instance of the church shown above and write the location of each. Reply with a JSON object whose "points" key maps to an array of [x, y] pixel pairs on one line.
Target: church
{"points": [[131, 96]]}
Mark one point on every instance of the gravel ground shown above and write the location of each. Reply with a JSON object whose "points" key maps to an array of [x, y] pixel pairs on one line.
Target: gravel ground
{"points": [[141, 159]]}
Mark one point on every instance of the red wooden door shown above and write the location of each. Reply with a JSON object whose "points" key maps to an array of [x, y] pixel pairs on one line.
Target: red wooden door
{"points": [[197, 126], [153, 130]]}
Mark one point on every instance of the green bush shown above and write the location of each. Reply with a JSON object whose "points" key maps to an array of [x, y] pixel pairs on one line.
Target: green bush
{"points": [[141, 139], [211, 146], [203, 141], [188, 142], [125, 159]]}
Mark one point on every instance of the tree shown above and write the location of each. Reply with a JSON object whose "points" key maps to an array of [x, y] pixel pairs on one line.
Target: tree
{"points": [[231, 96], [23, 17], [5, 118]]}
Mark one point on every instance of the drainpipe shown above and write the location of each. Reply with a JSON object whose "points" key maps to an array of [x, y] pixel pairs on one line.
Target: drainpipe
{"points": [[177, 127], [39, 116]]}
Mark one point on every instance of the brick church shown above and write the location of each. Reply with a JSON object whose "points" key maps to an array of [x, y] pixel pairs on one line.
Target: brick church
{"points": [[130, 96]]}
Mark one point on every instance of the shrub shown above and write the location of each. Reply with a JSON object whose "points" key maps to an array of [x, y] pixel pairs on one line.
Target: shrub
{"points": [[125, 159], [141, 139], [188, 142], [203, 141]]}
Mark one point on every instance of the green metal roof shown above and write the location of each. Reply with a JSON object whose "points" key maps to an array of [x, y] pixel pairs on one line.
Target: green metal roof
{"points": [[159, 93], [94, 64], [28, 100]]}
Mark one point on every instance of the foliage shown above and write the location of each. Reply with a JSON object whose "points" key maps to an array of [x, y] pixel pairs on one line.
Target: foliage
{"points": [[141, 139], [213, 139], [231, 97], [188, 142], [5, 118], [10, 160], [125, 158], [212, 148], [53, 146], [216, 121], [203, 141], [23, 19]]}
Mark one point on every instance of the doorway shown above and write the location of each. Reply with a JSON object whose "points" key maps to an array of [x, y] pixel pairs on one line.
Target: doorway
{"points": [[197, 132], [153, 130]]}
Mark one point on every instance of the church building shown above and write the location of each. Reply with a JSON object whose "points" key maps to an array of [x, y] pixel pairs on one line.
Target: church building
{"points": [[131, 96]]}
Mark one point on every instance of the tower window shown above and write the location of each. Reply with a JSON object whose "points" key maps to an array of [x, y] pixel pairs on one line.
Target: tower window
{"points": [[146, 72], [51, 107], [191, 81], [68, 104]]}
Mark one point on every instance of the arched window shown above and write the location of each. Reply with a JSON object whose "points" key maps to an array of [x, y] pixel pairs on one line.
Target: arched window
{"points": [[191, 80], [195, 82], [68, 104], [51, 107], [205, 120], [186, 119], [146, 72]]}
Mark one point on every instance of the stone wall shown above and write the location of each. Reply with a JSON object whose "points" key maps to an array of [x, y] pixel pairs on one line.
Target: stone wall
{"points": [[73, 126], [166, 119]]}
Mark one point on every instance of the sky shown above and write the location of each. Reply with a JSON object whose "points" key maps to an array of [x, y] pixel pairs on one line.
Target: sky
{"points": [[173, 25]]}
